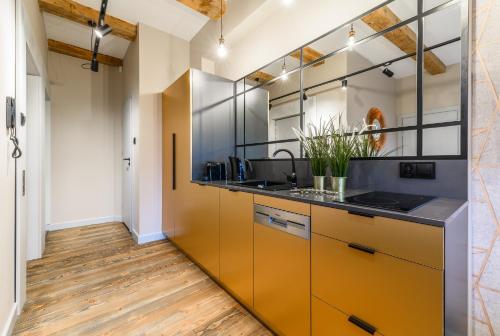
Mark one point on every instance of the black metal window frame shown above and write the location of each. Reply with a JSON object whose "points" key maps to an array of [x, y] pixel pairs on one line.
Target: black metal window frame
{"points": [[421, 49]]}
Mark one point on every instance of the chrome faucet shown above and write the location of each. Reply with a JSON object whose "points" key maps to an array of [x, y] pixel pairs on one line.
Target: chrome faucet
{"points": [[293, 177]]}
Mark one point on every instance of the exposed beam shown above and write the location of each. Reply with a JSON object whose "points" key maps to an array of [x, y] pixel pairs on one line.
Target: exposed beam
{"points": [[309, 55], [76, 12], [404, 38], [260, 76], [210, 8], [71, 50]]}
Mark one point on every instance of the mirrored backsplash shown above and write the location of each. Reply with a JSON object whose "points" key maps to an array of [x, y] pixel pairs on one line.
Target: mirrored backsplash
{"points": [[397, 68]]}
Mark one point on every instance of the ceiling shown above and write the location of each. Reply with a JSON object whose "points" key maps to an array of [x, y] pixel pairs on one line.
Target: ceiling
{"points": [[168, 16]]}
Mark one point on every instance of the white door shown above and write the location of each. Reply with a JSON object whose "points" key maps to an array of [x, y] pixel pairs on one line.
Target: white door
{"points": [[127, 164]]}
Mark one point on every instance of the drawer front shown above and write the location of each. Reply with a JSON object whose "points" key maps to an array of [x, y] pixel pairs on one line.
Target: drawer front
{"points": [[419, 243], [283, 204], [329, 321], [395, 296]]}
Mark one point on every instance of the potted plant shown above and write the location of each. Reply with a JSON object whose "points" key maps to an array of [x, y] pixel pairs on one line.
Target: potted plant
{"points": [[316, 146], [344, 144]]}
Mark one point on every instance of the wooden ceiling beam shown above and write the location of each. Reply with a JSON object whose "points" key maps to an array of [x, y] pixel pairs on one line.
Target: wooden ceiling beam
{"points": [[404, 38], [76, 12], [210, 8], [260, 76], [309, 55], [74, 51]]}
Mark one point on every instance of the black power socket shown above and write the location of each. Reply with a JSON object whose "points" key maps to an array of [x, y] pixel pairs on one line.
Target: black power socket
{"points": [[417, 170]]}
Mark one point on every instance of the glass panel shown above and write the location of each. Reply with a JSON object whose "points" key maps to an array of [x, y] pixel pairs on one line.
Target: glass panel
{"points": [[430, 4], [369, 82], [441, 76], [240, 119], [441, 141], [388, 144], [272, 110], [376, 21], [273, 70], [240, 86], [257, 152], [294, 147]]}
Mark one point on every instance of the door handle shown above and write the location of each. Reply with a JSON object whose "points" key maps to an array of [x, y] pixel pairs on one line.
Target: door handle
{"points": [[174, 155], [362, 324], [361, 248]]}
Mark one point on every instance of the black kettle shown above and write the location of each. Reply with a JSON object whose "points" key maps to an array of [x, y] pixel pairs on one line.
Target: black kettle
{"points": [[240, 169]]}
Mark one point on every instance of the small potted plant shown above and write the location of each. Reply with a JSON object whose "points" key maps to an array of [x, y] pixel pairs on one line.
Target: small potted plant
{"points": [[344, 145], [316, 146]]}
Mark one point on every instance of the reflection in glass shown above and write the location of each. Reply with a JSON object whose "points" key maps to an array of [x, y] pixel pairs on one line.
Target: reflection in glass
{"points": [[441, 76], [294, 147], [240, 119], [441, 141]]}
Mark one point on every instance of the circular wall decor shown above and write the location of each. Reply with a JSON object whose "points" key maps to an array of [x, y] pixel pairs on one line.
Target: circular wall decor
{"points": [[375, 117]]}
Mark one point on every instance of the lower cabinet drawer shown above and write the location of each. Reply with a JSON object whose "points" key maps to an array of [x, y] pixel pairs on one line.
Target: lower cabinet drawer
{"points": [[329, 321], [395, 296]]}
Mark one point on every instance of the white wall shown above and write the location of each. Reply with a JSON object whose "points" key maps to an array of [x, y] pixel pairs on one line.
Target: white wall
{"points": [[85, 142], [7, 177], [152, 63]]}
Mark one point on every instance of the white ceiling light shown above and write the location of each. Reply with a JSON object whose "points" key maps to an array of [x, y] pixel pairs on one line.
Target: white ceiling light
{"points": [[221, 46], [287, 2], [284, 75]]}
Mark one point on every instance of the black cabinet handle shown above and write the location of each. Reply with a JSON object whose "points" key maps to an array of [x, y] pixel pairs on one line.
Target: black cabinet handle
{"points": [[356, 213], [232, 190], [361, 248], [362, 324], [174, 175]]}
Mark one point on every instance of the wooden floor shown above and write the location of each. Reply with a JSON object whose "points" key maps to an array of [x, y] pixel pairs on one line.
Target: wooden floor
{"points": [[96, 281]]}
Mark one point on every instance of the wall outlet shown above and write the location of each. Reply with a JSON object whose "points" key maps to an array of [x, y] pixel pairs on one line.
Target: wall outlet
{"points": [[419, 170]]}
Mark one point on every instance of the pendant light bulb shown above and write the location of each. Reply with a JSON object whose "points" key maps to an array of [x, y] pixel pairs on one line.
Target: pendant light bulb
{"points": [[344, 84], [351, 40], [221, 48], [284, 75]]}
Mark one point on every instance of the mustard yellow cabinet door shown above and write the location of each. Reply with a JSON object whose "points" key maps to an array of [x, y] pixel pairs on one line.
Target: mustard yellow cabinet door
{"points": [[282, 293], [204, 231], [329, 321], [236, 244], [395, 296]]}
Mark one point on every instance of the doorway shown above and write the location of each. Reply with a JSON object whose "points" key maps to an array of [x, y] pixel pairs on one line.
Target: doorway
{"points": [[127, 165]]}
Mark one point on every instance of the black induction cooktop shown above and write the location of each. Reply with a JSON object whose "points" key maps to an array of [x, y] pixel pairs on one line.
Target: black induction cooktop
{"points": [[389, 200]]}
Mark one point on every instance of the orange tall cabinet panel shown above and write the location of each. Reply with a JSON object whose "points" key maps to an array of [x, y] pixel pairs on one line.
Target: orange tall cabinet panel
{"points": [[176, 158]]}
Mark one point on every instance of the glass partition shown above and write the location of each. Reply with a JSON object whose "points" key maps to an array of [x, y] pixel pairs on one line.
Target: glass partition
{"points": [[375, 70]]}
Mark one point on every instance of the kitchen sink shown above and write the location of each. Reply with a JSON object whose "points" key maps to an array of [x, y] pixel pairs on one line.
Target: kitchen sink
{"points": [[264, 184]]}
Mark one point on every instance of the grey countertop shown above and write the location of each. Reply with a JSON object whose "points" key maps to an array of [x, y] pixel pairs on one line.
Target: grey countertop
{"points": [[437, 212]]}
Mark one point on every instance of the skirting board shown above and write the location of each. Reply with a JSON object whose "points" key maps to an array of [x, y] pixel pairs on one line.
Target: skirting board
{"points": [[147, 238], [83, 222], [11, 322]]}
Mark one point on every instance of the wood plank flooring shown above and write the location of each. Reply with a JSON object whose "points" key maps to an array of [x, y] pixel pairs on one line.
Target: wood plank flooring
{"points": [[96, 281]]}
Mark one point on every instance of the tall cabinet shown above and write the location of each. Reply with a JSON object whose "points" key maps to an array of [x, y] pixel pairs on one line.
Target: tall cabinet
{"points": [[190, 211]]}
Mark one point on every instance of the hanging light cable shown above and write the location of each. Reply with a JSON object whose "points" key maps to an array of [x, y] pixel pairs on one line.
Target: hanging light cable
{"points": [[351, 37], [221, 47]]}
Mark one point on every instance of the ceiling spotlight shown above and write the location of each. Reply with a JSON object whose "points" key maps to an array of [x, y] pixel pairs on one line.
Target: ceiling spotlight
{"points": [[284, 75], [103, 30], [270, 106], [351, 37], [287, 2], [221, 47], [304, 96], [388, 72], [344, 84]]}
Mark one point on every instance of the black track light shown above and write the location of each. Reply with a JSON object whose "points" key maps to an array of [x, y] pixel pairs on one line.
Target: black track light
{"points": [[388, 72], [103, 30], [344, 84], [304, 96]]}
